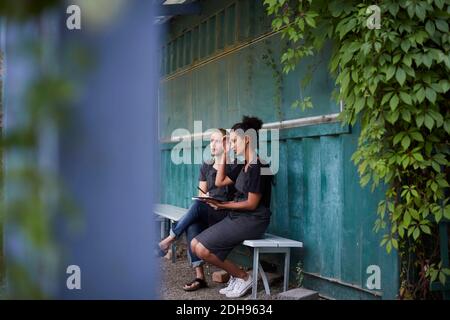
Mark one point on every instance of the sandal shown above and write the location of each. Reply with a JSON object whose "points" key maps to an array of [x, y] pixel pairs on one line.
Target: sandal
{"points": [[160, 252], [198, 284]]}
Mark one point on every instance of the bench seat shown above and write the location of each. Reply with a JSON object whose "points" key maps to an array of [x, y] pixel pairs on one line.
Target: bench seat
{"points": [[270, 243]]}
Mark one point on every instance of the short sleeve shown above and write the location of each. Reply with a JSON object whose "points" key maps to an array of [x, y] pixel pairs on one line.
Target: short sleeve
{"points": [[203, 171], [254, 179], [234, 170]]}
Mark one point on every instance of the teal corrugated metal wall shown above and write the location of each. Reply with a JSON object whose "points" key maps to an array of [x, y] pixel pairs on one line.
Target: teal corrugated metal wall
{"points": [[213, 71]]}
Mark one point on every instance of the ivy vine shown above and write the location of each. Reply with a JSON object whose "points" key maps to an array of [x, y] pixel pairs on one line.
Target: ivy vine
{"points": [[269, 60], [394, 81]]}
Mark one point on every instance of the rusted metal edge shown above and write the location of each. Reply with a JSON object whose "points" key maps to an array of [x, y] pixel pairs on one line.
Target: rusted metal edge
{"points": [[285, 124], [219, 55]]}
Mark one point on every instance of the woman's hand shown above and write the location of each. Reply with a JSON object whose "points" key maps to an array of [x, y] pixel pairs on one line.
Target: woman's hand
{"points": [[216, 205], [225, 144]]}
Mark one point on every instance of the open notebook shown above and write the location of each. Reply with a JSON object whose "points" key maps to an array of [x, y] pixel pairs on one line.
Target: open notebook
{"points": [[207, 197]]}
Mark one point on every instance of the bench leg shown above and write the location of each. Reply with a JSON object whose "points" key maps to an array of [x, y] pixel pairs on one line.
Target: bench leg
{"points": [[163, 228], [287, 256], [255, 272], [264, 279], [174, 246]]}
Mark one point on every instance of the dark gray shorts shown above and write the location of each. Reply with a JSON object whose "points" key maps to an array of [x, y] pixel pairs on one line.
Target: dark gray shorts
{"points": [[231, 231]]}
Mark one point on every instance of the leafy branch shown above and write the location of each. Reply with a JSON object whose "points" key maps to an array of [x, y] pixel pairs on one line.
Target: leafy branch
{"points": [[394, 81]]}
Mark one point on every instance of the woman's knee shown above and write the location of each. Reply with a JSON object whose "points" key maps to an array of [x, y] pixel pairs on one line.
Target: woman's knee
{"points": [[201, 251], [193, 244]]}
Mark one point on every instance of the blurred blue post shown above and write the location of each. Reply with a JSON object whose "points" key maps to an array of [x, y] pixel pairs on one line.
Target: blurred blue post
{"points": [[109, 159]]}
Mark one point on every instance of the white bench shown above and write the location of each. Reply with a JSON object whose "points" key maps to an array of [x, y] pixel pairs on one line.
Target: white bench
{"points": [[269, 244]]}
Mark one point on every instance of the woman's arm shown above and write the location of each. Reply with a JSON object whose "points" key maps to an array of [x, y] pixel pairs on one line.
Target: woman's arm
{"points": [[250, 204], [204, 186], [221, 178]]}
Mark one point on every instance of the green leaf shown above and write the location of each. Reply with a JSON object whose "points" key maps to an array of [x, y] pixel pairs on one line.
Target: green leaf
{"points": [[401, 232], [392, 117], [416, 233], [406, 115], [429, 27], [407, 60], [355, 76], [419, 120], [442, 182], [420, 12], [365, 180], [386, 98], [438, 216], [394, 102], [439, 3], [447, 126], [405, 45], [430, 94], [429, 122], [400, 75], [406, 98], [393, 8], [406, 141], [442, 25], [414, 213], [390, 72], [395, 243], [437, 117], [434, 186], [410, 9], [277, 23], [418, 157], [398, 137], [389, 247], [436, 166], [427, 60], [406, 219], [426, 229], [359, 104], [447, 212], [416, 135], [310, 21], [434, 275], [442, 278], [420, 95], [445, 85]]}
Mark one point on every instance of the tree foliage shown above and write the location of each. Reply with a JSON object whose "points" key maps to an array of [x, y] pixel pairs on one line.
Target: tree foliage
{"points": [[394, 80]]}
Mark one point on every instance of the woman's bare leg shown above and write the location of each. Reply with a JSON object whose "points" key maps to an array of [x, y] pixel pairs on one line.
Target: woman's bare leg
{"points": [[166, 242], [206, 255], [200, 272]]}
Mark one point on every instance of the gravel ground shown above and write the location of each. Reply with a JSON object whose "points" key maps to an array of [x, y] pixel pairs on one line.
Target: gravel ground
{"points": [[175, 275]]}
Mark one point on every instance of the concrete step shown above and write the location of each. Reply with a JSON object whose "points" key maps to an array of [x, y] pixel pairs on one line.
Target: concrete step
{"points": [[298, 294]]}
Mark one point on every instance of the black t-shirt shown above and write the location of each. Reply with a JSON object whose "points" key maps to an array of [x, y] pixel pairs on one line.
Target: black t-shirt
{"points": [[252, 181], [208, 174]]}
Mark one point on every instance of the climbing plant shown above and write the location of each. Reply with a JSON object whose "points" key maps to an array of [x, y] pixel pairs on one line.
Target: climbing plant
{"points": [[268, 58], [393, 81]]}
